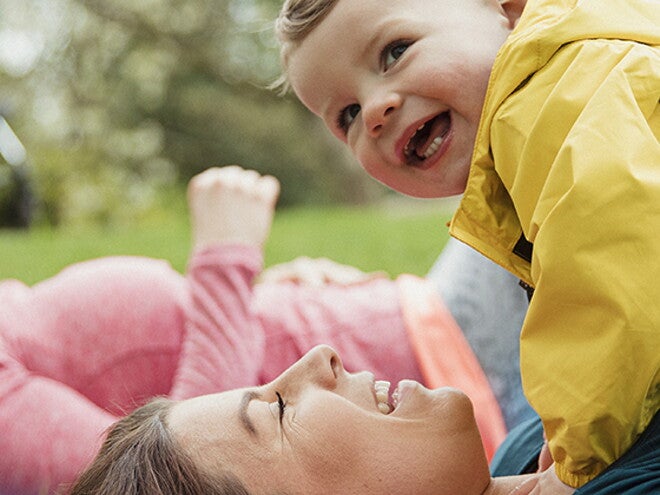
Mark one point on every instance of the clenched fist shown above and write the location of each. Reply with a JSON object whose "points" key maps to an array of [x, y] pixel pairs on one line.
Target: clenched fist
{"points": [[231, 205]]}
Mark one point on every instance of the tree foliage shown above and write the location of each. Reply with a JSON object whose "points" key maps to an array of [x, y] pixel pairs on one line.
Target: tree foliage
{"points": [[115, 99]]}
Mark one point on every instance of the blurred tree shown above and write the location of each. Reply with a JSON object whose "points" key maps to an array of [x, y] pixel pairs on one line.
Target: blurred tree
{"points": [[16, 197], [116, 98]]}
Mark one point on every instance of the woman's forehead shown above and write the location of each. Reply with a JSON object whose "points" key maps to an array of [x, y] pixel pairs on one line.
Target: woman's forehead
{"points": [[207, 416], [230, 431]]}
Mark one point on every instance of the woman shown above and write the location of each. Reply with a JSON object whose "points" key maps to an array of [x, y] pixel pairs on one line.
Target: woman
{"points": [[315, 429], [82, 349], [320, 429]]}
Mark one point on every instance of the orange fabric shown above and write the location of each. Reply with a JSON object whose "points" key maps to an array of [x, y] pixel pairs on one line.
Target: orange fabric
{"points": [[445, 357]]}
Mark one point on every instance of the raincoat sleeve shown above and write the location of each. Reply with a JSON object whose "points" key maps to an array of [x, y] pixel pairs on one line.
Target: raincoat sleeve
{"points": [[590, 347]]}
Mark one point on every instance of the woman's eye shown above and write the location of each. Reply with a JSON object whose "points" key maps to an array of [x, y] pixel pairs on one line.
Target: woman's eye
{"points": [[347, 116], [281, 404], [392, 52]]}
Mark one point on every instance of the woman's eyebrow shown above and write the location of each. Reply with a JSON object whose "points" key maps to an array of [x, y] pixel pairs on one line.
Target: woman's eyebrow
{"points": [[245, 420]]}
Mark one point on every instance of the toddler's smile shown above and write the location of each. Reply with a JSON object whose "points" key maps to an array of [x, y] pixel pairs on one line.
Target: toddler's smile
{"points": [[427, 139]]}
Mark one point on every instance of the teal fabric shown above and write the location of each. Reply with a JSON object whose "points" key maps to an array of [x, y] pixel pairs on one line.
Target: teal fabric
{"points": [[637, 472], [519, 452]]}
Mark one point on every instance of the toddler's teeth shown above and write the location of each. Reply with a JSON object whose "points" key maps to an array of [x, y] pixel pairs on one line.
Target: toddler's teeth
{"points": [[384, 408], [433, 147]]}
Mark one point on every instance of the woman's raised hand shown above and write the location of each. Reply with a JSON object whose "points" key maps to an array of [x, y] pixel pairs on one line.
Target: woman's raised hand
{"points": [[231, 205]]}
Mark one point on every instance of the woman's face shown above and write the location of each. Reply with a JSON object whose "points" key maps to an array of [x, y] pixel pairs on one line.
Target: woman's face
{"points": [[319, 429]]}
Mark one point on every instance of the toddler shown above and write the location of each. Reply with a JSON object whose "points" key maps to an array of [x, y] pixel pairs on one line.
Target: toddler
{"points": [[545, 116]]}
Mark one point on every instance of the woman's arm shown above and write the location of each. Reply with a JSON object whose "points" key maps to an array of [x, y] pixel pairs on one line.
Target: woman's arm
{"points": [[231, 213]]}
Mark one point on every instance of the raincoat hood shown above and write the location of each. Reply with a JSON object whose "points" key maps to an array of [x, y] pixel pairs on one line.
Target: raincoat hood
{"points": [[486, 219]]}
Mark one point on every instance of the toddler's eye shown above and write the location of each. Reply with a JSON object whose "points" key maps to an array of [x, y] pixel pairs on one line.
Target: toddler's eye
{"points": [[392, 52], [346, 116]]}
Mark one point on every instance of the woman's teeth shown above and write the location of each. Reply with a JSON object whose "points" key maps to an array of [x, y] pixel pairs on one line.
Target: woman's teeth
{"points": [[382, 396]]}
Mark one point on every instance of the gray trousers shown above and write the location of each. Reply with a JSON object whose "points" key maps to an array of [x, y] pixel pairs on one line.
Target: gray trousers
{"points": [[489, 306]]}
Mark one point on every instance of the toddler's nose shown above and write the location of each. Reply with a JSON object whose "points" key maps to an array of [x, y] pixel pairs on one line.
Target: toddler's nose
{"points": [[379, 111]]}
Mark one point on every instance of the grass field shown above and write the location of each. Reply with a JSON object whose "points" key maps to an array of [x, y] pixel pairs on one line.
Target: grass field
{"points": [[397, 239]]}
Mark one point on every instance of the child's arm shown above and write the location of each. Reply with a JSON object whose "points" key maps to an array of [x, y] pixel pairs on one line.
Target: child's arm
{"points": [[590, 351], [223, 347]]}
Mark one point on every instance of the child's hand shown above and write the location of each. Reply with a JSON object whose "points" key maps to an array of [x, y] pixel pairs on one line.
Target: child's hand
{"points": [[549, 484], [231, 205], [545, 458], [545, 483]]}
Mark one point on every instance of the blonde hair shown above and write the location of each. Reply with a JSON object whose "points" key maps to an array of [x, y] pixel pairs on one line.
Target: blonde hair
{"points": [[296, 20]]}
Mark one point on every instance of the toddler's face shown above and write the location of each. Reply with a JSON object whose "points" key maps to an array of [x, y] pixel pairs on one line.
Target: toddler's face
{"points": [[402, 82]]}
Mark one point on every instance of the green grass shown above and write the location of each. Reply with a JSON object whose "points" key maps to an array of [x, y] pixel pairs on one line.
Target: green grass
{"points": [[396, 240]]}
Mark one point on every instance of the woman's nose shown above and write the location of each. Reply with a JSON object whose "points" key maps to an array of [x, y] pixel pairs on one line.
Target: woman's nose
{"points": [[321, 366], [379, 110]]}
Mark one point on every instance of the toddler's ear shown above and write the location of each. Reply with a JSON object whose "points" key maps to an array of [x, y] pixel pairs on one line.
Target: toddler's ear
{"points": [[513, 9]]}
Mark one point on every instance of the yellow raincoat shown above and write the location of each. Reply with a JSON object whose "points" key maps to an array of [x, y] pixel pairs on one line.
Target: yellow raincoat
{"points": [[567, 157]]}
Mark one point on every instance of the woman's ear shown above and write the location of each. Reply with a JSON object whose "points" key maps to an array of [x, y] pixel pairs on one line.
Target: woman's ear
{"points": [[513, 10]]}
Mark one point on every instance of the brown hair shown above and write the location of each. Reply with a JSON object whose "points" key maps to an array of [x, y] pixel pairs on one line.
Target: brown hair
{"points": [[140, 457], [297, 18]]}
